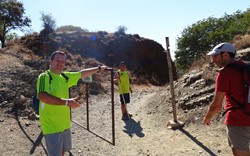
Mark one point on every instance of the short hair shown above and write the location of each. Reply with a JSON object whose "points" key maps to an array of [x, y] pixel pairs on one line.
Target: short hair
{"points": [[52, 57], [231, 55]]}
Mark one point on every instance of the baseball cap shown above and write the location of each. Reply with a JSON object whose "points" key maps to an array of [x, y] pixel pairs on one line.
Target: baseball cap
{"points": [[222, 47], [122, 63]]}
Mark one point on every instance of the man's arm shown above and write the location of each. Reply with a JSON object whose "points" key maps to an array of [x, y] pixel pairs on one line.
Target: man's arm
{"points": [[47, 98], [89, 71], [116, 77], [214, 107], [130, 84]]}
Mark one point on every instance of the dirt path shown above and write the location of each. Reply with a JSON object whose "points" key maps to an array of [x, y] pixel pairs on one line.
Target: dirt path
{"points": [[145, 135]]}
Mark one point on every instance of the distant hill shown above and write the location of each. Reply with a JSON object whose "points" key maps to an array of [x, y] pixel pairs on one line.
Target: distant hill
{"points": [[145, 58]]}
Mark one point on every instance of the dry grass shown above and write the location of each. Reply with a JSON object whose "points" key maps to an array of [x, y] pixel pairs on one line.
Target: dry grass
{"points": [[242, 42], [204, 63], [201, 63]]}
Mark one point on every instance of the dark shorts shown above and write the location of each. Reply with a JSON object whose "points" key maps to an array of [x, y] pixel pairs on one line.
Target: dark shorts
{"points": [[58, 142], [125, 97]]}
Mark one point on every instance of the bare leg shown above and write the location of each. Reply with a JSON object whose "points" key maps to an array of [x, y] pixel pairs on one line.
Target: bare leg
{"points": [[123, 107], [238, 152]]}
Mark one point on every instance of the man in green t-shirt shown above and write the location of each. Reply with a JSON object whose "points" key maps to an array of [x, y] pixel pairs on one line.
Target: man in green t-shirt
{"points": [[55, 103], [124, 89]]}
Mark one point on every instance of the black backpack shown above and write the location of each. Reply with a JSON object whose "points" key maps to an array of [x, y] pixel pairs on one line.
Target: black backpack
{"points": [[36, 101]]}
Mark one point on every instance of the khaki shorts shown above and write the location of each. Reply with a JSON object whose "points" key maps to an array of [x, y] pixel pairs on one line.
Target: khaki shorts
{"points": [[58, 142], [239, 137]]}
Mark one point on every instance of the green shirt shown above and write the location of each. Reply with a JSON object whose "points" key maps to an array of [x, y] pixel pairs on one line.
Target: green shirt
{"points": [[123, 84], [55, 118]]}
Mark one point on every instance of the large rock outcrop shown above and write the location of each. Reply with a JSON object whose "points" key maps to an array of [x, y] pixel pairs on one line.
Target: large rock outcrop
{"points": [[145, 58]]}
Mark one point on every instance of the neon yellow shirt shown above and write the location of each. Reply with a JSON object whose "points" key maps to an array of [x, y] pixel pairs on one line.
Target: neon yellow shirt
{"points": [[55, 118], [123, 84]]}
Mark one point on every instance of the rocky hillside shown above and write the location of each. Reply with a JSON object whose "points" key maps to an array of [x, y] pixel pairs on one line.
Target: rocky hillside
{"points": [[144, 57], [22, 61]]}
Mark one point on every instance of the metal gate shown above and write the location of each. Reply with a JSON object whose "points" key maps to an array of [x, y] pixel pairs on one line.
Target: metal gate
{"points": [[86, 127]]}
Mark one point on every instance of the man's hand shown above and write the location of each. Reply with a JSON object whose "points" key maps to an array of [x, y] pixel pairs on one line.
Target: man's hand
{"points": [[214, 107], [103, 67], [206, 121], [73, 102]]}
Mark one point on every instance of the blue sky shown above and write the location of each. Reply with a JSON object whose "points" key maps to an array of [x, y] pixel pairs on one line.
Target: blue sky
{"points": [[153, 19]]}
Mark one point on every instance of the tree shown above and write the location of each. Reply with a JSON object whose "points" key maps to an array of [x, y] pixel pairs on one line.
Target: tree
{"points": [[49, 24], [11, 18], [10, 37], [199, 38], [121, 30]]}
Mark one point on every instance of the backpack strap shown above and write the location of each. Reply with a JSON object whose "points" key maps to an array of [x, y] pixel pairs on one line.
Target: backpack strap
{"points": [[50, 77], [240, 106], [119, 73], [246, 74], [65, 76], [238, 66]]}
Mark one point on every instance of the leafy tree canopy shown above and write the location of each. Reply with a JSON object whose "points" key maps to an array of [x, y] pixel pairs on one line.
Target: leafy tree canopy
{"points": [[121, 30], [199, 38], [49, 23], [11, 17]]}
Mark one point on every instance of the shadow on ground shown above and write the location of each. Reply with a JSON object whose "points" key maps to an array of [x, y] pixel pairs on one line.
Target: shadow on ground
{"points": [[133, 128], [197, 142]]}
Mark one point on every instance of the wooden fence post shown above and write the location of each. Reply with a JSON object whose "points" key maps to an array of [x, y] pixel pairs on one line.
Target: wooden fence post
{"points": [[172, 124]]}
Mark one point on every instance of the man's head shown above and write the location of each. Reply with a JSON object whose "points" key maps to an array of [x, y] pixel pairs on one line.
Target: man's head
{"points": [[223, 54], [122, 65], [57, 61]]}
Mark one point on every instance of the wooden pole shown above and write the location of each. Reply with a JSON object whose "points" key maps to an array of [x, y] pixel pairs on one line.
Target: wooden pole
{"points": [[172, 124], [171, 80]]}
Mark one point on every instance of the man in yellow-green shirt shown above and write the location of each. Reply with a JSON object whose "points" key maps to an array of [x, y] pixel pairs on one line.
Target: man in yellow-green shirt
{"points": [[124, 89], [55, 103]]}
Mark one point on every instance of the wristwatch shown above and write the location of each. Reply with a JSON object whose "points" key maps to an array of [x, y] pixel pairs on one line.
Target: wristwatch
{"points": [[99, 67], [67, 103]]}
